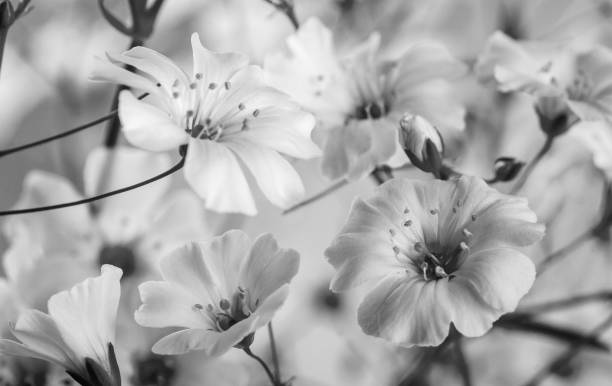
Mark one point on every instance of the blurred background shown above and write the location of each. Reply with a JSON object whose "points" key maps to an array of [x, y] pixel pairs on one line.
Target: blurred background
{"points": [[44, 89]]}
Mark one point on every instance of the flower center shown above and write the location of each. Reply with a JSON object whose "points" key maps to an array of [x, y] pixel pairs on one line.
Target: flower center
{"points": [[429, 258], [227, 312], [154, 370], [121, 256], [371, 110], [205, 120]]}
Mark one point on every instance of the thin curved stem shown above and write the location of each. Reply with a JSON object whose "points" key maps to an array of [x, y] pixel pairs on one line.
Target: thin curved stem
{"points": [[66, 133], [263, 364], [330, 189], [531, 165], [168, 172], [558, 254], [566, 303]]}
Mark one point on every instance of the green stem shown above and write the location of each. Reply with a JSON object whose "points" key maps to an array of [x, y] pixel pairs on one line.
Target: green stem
{"points": [[318, 196], [573, 301], [555, 256]]}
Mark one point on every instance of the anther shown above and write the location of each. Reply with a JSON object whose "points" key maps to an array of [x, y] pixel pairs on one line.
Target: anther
{"points": [[434, 211], [198, 76], [175, 83], [189, 113], [408, 223], [473, 217], [241, 106], [467, 233], [175, 95], [392, 232], [158, 84], [406, 211], [228, 85], [396, 249], [440, 273], [419, 247], [224, 304], [256, 112], [212, 86], [198, 307], [209, 308], [193, 86]]}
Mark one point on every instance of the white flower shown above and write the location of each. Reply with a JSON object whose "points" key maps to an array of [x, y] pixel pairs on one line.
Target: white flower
{"points": [[219, 293], [224, 112], [421, 142], [434, 253], [131, 230], [562, 77], [361, 98], [78, 333]]}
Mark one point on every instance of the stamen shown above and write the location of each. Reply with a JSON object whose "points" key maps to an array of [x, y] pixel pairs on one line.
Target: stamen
{"points": [[408, 223], [228, 85], [198, 307], [241, 106], [193, 86], [396, 249], [391, 232], [468, 235], [255, 113], [474, 217], [198, 76], [406, 211], [424, 266], [434, 211], [212, 86], [175, 94]]}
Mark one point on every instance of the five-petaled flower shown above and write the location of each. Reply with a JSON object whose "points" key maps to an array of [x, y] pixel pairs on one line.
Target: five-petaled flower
{"points": [[360, 98], [132, 230], [570, 84], [219, 293], [435, 253], [224, 112], [78, 333]]}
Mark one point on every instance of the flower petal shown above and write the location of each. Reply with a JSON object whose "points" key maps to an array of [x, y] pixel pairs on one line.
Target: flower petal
{"points": [[85, 315], [213, 343], [148, 127], [276, 178], [500, 276], [214, 66], [214, 173], [406, 311], [166, 304], [267, 268]]}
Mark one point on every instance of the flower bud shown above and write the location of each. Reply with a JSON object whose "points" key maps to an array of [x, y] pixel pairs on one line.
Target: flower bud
{"points": [[553, 114], [421, 142], [507, 168]]}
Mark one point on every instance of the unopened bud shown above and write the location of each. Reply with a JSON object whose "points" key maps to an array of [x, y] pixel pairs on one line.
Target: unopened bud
{"points": [[553, 114], [507, 168], [421, 142]]}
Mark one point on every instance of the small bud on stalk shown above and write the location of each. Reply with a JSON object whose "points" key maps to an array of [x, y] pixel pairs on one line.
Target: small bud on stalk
{"points": [[422, 143], [506, 169]]}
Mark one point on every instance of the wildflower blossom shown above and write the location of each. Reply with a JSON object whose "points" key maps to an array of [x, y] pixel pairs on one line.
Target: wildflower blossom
{"points": [[131, 230], [224, 112], [435, 253], [219, 293], [568, 83], [78, 333], [360, 99]]}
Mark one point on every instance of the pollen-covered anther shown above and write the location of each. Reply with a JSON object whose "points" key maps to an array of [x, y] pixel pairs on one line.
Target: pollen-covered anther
{"points": [[466, 233], [424, 267], [224, 304], [440, 272], [408, 223]]}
